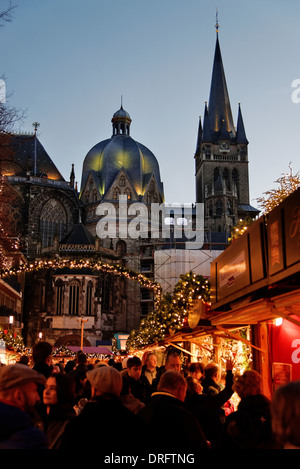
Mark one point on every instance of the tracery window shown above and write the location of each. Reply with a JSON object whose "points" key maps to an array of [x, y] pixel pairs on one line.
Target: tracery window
{"points": [[74, 298], [59, 292], [53, 222]]}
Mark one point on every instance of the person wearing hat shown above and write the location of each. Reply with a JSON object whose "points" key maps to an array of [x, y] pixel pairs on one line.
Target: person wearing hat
{"points": [[18, 397], [96, 425]]}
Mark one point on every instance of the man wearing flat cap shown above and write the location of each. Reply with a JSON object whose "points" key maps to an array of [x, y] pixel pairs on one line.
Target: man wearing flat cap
{"points": [[104, 414], [18, 397]]}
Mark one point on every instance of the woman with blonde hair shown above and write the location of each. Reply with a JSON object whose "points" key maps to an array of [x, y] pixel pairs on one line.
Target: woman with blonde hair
{"points": [[249, 427]]}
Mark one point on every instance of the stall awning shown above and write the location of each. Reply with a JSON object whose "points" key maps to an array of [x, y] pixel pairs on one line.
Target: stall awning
{"points": [[286, 305]]}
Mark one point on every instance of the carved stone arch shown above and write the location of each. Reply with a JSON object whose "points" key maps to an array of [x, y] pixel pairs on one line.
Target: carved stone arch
{"points": [[68, 207]]}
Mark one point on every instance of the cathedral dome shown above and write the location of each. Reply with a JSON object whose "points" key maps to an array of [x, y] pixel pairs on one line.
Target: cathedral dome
{"points": [[108, 157]]}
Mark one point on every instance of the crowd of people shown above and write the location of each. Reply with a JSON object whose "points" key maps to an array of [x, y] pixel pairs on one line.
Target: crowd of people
{"points": [[138, 407]]}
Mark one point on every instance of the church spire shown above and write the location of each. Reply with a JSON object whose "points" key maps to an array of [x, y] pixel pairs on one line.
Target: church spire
{"points": [[199, 139], [240, 131], [219, 108]]}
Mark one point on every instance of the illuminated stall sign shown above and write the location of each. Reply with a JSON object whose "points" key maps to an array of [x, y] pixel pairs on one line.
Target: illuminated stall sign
{"points": [[268, 252], [241, 266], [283, 229]]}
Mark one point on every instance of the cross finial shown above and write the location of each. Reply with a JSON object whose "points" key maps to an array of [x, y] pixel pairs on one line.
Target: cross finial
{"points": [[217, 21], [35, 125]]}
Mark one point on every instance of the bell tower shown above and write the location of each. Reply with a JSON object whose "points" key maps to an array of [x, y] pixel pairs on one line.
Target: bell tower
{"points": [[221, 157]]}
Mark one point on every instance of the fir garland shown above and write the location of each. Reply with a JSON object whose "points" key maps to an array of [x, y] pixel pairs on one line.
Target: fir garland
{"points": [[172, 311]]}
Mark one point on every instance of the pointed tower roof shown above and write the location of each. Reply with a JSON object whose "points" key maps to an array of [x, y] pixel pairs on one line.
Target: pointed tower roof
{"points": [[206, 134], [199, 139], [240, 131], [219, 104], [78, 235]]}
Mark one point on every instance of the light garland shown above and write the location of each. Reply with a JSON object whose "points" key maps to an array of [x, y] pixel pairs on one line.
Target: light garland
{"points": [[97, 265], [171, 313], [12, 340]]}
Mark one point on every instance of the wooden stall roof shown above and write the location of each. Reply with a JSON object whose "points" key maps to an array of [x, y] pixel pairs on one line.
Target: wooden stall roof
{"points": [[286, 305], [226, 325]]}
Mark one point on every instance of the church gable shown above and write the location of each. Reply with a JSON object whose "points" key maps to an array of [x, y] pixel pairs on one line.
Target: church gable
{"points": [[122, 186], [152, 193], [90, 192]]}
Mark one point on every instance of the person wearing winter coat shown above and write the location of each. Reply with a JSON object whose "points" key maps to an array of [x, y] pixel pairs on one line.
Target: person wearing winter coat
{"points": [[96, 425], [57, 407], [249, 427], [209, 408], [18, 397], [171, 427]]}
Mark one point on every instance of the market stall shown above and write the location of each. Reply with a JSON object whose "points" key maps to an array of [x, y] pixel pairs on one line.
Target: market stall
{"points": [[255, 281]]}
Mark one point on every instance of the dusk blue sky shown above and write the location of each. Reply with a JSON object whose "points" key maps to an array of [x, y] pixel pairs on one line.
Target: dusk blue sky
{"points": [[67, 63]]}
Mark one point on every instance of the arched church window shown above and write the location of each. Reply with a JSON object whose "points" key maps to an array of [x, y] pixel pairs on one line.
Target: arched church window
{"points": [[89, 297], [226, 178], [122, 181], [216, 174], [94, 196], [235, 179], [121, 247], [116, 193], [219, 208], [228, 207], [128, 193], [53, 222], [74, 298], [106, 284], [59, 294], [210, 209]]}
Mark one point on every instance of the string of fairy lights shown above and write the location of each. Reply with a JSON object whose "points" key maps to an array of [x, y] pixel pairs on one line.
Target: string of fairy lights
{"points": [[172, 311], [95, 265]]}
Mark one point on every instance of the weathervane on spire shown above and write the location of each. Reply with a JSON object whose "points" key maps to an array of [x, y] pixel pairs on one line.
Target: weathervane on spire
{"points": [[217, 21]]}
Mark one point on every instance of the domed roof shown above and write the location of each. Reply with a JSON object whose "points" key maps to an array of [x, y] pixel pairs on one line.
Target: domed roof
{"points": [[121, 113], [121, 151]]}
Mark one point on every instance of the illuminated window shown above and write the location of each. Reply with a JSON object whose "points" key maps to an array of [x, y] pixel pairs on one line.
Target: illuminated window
{"points": [[116, 193], [128, 193]]}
